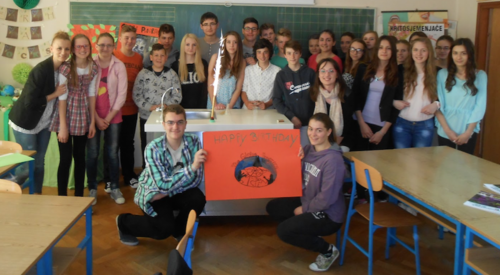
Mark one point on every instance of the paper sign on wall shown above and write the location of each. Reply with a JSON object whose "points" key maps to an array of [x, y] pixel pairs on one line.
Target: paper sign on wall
{"points": [[252, 164]]}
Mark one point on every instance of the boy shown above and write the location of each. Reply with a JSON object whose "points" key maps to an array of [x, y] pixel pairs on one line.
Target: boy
{"points": [[291, 90], [284, 35], [169, 182], [250, 31], [133, 64], [259, 78], [166, 37], [209, 44], [267, 32]]}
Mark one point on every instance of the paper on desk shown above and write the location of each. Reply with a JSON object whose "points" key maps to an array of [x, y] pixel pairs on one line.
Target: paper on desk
{"points": [[13, 158]]}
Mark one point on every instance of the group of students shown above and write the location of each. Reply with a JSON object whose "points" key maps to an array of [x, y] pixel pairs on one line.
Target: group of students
{"points": [[350, 101]]}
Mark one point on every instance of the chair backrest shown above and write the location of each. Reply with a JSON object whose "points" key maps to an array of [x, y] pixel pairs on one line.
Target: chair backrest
{"points": [[375, 176], [10, 146], [181, 247], [7, 186]]}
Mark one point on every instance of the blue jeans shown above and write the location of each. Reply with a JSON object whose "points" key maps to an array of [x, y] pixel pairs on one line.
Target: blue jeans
{"points": [[38, 142], [413, 134], [111, 142]]}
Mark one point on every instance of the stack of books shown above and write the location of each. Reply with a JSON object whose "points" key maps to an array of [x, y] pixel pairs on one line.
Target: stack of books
{"points": [[486, 201]]}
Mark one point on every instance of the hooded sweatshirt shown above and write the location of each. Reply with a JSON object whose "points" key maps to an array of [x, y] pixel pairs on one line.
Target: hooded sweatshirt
{"points": [[323, 177], [149, 88], [291, 93]]}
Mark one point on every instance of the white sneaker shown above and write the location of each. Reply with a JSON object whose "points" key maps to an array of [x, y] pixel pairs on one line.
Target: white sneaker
{"points": [[93, 194], [107, 187], [117, 195], [134, 183], [323, 263]]}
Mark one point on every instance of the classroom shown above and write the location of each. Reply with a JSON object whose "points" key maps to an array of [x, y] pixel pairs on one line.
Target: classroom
{"points": [[249, 137]]}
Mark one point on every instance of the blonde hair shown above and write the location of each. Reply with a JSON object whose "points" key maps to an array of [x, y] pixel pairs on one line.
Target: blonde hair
{"points": [[284, 32], [410, 75], [198, 64]]}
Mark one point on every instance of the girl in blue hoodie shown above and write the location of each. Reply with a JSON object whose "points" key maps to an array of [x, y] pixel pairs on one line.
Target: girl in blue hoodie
{"points": [[320, 211]]}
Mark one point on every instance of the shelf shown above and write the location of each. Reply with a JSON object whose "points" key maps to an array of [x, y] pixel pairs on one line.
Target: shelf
{"points": [[485, 260]]}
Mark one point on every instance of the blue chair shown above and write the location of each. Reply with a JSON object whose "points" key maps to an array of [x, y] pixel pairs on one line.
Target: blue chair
{"points": [[186, 244], [379, 215]]}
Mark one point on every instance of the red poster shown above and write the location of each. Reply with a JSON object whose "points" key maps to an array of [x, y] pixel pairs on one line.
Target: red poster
{"points": [[252, 164], [92, 32]]}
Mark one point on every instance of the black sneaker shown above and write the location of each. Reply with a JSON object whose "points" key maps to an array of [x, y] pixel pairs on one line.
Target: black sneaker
{"points": [[124, 238], [107, 187]]}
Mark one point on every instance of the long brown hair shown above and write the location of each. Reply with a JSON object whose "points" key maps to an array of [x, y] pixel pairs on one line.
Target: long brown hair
{"points": [[470, 66], [328, 123], [349, 68], [237, 59], [390, 71], [314, 92], [198, 64], [410, 75], [73, 74]]}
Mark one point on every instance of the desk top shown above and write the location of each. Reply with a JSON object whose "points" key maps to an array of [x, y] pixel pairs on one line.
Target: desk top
{"points": [[227, 120], [4, 169], [441, 177], [31, 224]]}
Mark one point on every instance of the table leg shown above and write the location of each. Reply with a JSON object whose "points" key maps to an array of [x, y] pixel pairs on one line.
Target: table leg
{"points": [[40, 266], [48, 262], [469, 238], [459, 249], [88, 230], [32, 176]]}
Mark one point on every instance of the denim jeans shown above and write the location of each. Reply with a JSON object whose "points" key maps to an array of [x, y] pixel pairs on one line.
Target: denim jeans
{"points": [[412, 134], [111, 141], [38, 142]]}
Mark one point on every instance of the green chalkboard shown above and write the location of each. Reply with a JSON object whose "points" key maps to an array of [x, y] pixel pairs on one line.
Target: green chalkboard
{"points": [[186, 18]]}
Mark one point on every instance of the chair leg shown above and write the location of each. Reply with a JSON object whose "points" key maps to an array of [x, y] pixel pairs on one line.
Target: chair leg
{"points": [[344, 240], [441, 232], [387, 242], [337, 241], [370, 250], [417, 252], [392, 242]]}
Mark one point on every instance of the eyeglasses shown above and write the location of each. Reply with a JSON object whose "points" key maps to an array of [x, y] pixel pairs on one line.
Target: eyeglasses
{"points": [[247, 29], [79, 47], [178, 122], [357, 50], [209, 24], [442, 48], [105, 45], [327, 71]]}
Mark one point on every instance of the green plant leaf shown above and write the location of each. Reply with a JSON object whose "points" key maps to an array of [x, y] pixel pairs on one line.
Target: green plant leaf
{"points": [[102, 26], [97, 31], [112, 28], [116, 39], [70, 34], [91, 26], [94, 39], [70, 26], [85, 28], [112, 34]]}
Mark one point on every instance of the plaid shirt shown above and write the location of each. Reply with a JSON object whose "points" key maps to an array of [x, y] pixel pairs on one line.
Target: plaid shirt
{"points": [[159, 178]]}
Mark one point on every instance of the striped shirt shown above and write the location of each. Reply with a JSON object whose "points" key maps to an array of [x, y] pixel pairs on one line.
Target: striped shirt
{"points": [[159, 177]]}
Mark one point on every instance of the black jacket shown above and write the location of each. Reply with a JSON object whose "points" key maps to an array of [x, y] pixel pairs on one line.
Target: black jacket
{"points": [[29, 108], [360, 92]]}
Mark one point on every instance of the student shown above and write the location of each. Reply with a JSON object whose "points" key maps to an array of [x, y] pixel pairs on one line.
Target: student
{"points": [[250, 31], [174, 170], [443, 46], [321, 209], [209, 44], [231, 75], [259, 78], [416, 35], [166, 37], [193, 73], [291, 90], [133, 64], [314, 45], [31, 115], [415, 124], [462, 93], [375, 87], [326, 44], [345, 43], [267, 32], [357, 55], [284, 35], [403, 52], [73, 120], [150, 85], [370, 38], [111, 95]]}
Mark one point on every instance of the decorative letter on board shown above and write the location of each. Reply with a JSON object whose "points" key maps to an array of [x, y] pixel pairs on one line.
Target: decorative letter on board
{"points": [[252, 164]]}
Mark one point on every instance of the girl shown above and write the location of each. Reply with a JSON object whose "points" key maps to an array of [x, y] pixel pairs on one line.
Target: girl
{"points": [[150, 85], [232, 73], [375, 87], [31, 115], [415, 125], [462, 93], [321, 209], [284, 35], [74, 118], [111, 89], [326, 44], [443, 46], [313, 45], [355, 57], [345, 43], [403, 53], [370, 38], [193, 72]]}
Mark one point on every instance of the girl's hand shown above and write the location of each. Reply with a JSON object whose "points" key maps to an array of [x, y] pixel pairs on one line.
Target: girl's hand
{"points": [[366, 132], [60, 90], [451, 135], [463, 139], [400, 104], [376, 138], [62, 136], [91, 131], [429, 109], [298, 211], [301, 153], [220, 106], [101, 123]]}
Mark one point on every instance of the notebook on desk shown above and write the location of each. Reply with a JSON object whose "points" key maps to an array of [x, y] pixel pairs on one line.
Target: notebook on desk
{"points": [[493, 187], [485, 201], [13, 158]]}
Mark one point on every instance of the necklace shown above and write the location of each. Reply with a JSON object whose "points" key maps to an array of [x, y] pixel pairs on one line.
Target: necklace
{"points": [[377, 78]]}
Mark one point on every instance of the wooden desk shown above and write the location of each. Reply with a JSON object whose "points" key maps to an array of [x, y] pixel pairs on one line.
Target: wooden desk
{"points": [[439, 180], [31, 180], [30, 226]]}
